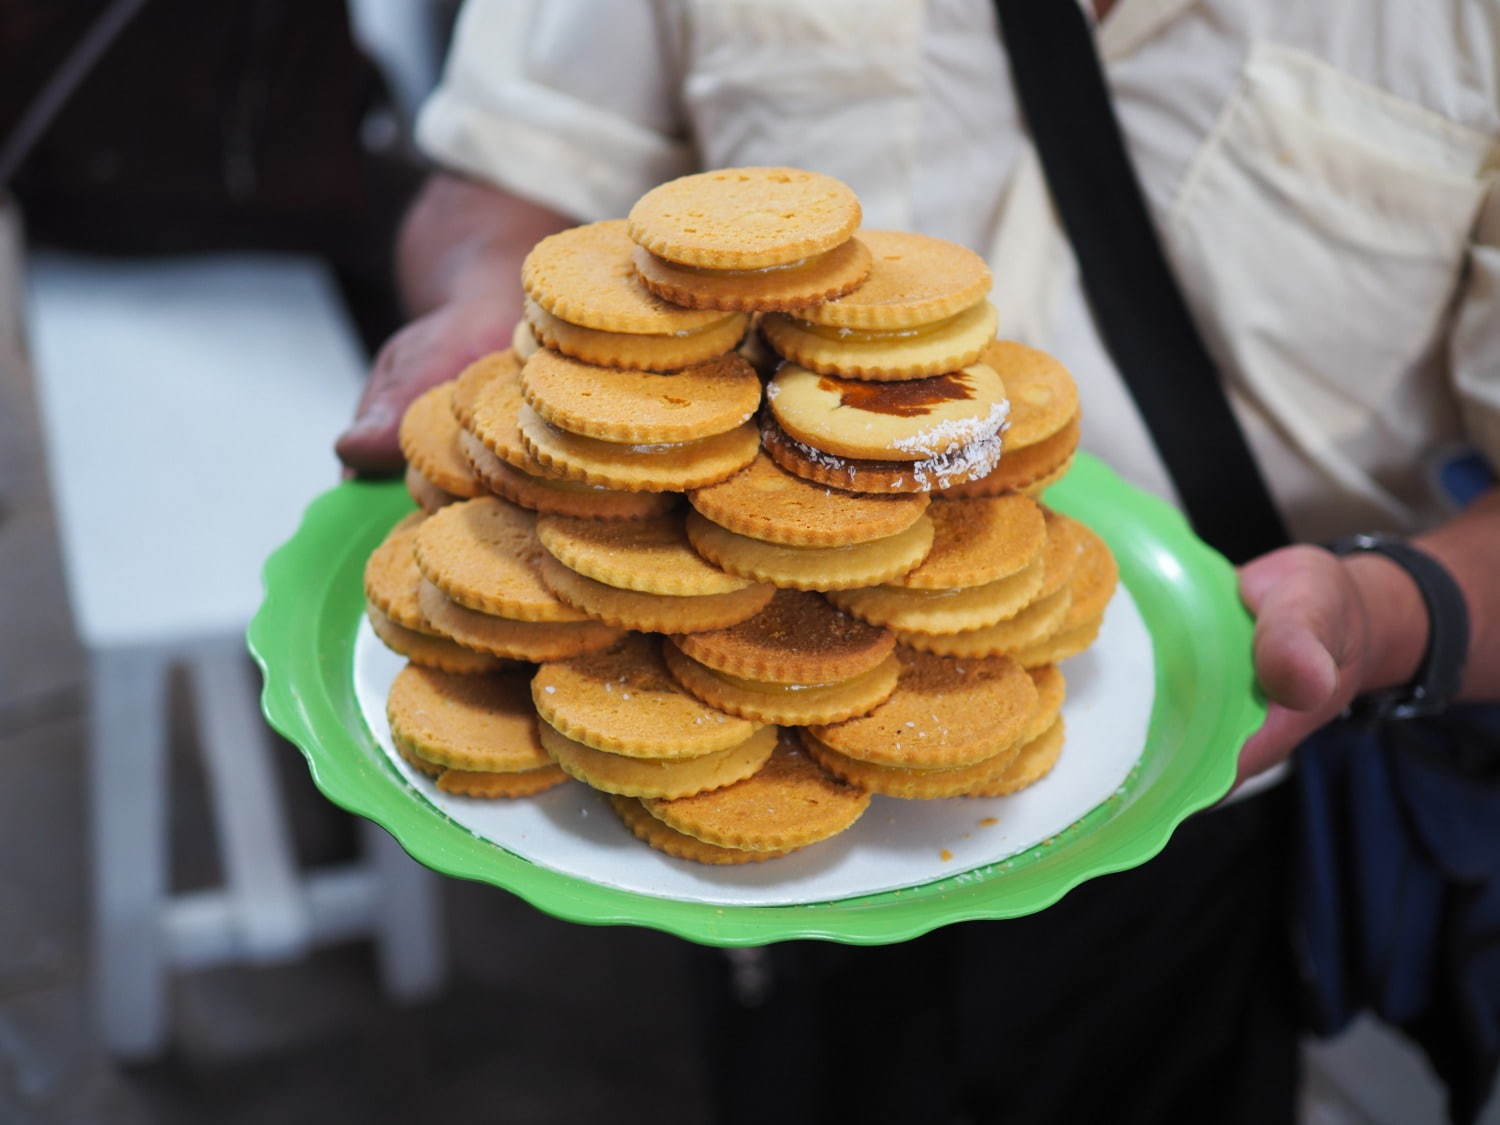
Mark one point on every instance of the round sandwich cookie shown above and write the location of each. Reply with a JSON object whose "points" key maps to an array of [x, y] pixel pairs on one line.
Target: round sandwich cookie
{"points": [[1043, 396], [532, 641], [495, 416], [391, 575], [944, 713], [624, 701], [430, 650], [652, 832], [884, 354], [651, 555], [880, 477], [1042, 618], [909, 421], [550, 496], [744, 218], [639, 406], [484, 723], [638, 352], [799, 638], [429, 497], [474, 783], [915, 281], [820, 277], [1060, 646], [655, 467], [1032, 467], [653, 613], [474, 378], [646, 777], [944, 611], [1031, 763], [790, 803], [483, 555], [812, 568], [1037, 489], [907, 783], [789, 704], [763, 501], [428, 436], [978, 541], [583, 275], [1095, 574]]}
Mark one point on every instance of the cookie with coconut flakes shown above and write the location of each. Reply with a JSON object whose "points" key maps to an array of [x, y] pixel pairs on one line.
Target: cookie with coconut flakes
{"points": [[904, 421]]}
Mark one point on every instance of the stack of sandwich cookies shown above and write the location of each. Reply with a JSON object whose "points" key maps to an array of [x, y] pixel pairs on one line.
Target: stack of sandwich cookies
{"points": [[642, 574], [749, 239], [922, 311]]}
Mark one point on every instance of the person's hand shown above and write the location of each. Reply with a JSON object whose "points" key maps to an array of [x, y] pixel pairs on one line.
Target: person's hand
{"points": [[428, 351], [1312, 632]]}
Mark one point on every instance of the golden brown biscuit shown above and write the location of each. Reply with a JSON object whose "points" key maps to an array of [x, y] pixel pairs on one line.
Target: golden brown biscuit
{"points": [[907, 783], [944, 713], [884, 355], [821, 277], [639, 406], [428, 436], [653, 613], [744, 218], [811, 568], [430, 650], [549, 496], [1031, 763], [789, 704], [764, 501], [651, 555], [978, 541], [624, 701], [484, 723], [943, 611], [392, 577], [474, 783], [1043, 396], [799, 638], [915, 280], [583, 275], [1059, 646], [641, 353], [660, 467], [653, 832], [474, 378], [646, 777], [1039, 620], [483, 554], [790, 803], [532, 641]]}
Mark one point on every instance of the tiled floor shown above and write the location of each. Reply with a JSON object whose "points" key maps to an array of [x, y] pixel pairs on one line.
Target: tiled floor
{"points": [[542, 1021]]}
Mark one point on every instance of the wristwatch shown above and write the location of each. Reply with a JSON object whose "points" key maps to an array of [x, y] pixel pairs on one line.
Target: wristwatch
{"points": [[1441, 671]]}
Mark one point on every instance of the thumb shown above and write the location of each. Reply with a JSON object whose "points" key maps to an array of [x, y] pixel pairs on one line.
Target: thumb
{"points": [[1299, 598]]}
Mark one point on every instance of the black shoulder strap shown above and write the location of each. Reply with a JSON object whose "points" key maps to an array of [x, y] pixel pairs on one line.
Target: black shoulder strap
{"points": [[1136, 304]]}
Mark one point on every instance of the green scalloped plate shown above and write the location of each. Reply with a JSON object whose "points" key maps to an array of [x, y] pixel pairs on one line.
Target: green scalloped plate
{"points": [[1205, 706]]}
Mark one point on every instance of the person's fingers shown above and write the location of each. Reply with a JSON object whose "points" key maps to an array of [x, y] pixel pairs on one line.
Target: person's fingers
{"points": [[1277, 737], [1301, 600]]}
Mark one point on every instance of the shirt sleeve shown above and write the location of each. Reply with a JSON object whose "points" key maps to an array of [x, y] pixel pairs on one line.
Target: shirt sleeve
{"points": [[572, 104], [1475, 354]]}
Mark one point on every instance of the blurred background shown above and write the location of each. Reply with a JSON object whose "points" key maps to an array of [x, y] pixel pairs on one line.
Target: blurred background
{"points": [[197, 205]]}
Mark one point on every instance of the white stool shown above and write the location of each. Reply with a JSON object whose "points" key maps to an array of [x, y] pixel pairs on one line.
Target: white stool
{"points": [[189, 407]]}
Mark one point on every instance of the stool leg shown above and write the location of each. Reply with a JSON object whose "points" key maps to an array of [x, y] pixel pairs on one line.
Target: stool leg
{"points": [[128, 798], [408, 927]]}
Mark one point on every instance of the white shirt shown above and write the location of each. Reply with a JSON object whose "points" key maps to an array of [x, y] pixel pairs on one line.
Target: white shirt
{"points": [[1322, 175]]}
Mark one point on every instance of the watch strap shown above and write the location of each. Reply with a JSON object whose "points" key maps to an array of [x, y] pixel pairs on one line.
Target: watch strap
{"points": [[1440, 673]]}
